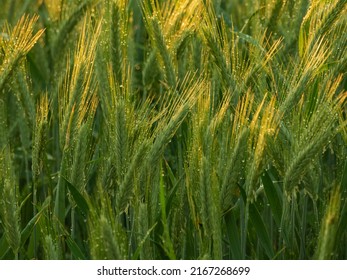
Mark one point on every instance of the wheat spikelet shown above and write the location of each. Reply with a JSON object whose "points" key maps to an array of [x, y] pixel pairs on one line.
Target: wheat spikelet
{"points": [[327, 236], [127, 185], [110, 246], [306, 72], [25, 95], [152, 21], [150, 69], [179, 108], [50, 248], [80, 157], [164, 53], [233, 169], [103, 243], [68, 26], [9, 210], [298, 165], [39, 136], [143, 228], [205, 196], [115, 40], [121, 139], [219, 48], [267, 126]]}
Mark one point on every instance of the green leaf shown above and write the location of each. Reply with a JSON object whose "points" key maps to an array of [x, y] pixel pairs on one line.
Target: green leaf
{"points": [[139, 248], [176, 183], [234, 235], [75, 249], [24, 201], [78, 197], [30, 225], [167, 243], [273, 198], [262, 233]]}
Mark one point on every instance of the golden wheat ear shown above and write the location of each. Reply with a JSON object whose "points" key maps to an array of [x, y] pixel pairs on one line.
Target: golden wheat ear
{"points": [[16, 43]]}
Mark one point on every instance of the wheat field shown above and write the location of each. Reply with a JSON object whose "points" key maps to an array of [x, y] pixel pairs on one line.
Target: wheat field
{"points": [[173, 129]]}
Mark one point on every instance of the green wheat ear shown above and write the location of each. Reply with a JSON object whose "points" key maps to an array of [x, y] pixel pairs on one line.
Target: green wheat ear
{"points": [[327, 236], [9, 208], [67, 27], [50, 248]]}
